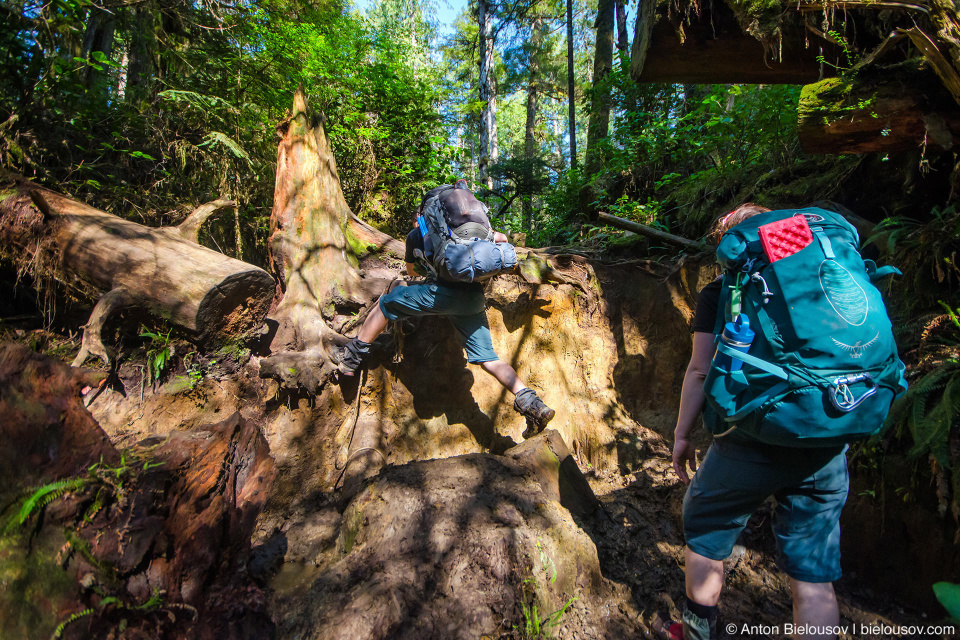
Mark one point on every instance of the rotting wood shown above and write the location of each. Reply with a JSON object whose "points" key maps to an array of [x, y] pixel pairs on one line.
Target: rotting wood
{"points": [[315, 245], [650, 232], [210, 295], [190, 227], [878, 112]]}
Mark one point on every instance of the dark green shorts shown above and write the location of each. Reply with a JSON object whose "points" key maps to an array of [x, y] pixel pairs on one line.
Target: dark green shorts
{"points": [[464, 305], [810, 486]]}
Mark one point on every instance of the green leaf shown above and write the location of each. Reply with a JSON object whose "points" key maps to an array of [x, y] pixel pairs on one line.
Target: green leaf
{"points": [[948, 594]]}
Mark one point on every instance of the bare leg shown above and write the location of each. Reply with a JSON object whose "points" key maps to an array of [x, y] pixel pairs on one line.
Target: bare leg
{"points": [[373, 326], [814, 605], [504, 373], [704, 578]]}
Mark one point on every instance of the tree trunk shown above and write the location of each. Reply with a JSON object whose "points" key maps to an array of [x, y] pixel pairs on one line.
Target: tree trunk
{"points": [[529, 131], [98, 38], [877, 112], [488, 120], [203, 291], [600, 95], [143, 54], [315, 243], [571, 87], [622, 38]]}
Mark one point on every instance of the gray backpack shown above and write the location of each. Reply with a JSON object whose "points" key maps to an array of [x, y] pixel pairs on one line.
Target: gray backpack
{"points": [[458, 239]]}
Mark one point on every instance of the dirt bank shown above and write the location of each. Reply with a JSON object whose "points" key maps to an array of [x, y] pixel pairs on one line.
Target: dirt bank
{"points": [[401, 508]]}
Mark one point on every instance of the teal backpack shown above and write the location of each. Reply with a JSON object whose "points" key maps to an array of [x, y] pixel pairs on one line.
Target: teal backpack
{"points": [[822, 366]]}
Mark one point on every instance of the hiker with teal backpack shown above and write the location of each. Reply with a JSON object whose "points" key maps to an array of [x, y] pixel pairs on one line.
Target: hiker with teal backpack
{"points": [[455, 247], [793, 358]]}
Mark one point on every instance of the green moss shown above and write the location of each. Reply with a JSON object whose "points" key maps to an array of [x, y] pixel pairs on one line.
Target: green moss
{"points": [[760, 18], [33, 587], [352, 529]]}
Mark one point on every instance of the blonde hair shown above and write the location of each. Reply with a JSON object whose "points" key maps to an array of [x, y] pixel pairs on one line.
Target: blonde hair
{"points": [[727, 221]]}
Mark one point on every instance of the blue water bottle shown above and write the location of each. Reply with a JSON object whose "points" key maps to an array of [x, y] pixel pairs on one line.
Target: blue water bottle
{"points": [[736, 335]]}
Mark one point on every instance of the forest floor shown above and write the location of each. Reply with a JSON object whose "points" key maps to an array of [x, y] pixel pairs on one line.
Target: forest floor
{"points": [[637, 534]]}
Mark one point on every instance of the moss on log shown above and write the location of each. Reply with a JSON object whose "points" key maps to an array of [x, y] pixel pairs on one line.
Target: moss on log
{"points": [[882, 111]]}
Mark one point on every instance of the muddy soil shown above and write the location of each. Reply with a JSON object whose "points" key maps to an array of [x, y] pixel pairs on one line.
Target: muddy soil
{"points": [[401, 509]]}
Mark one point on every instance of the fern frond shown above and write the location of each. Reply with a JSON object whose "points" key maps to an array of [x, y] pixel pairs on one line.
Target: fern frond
{"points": [[216, 138], [63, 625], [200, 101], [46, 494]]}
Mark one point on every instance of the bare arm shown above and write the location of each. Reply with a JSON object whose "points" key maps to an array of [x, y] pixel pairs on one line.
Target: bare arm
{"points": [[500, 237], [691, 404], [412, 270]]}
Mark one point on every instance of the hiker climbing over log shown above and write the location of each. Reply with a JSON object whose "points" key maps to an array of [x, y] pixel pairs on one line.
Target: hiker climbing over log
{"points": [[455, 247], [793, 358]]}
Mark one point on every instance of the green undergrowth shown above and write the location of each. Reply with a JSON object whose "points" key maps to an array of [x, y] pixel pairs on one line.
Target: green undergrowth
{"points": [[35, 586]]}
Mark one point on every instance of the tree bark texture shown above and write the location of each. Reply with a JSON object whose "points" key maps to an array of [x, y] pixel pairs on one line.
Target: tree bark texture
{"points": [[600, 95], [205, 292], [315, 244], [571, 89], [488, 120], [879, 112]]}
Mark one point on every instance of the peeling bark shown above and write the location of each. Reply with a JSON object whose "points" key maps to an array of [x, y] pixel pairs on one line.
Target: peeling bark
{"points": [[315, 245]]}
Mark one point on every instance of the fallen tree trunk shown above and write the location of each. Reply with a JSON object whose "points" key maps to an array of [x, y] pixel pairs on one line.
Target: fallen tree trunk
{"points": [[650, 232], [878, 111], [163, 270]]}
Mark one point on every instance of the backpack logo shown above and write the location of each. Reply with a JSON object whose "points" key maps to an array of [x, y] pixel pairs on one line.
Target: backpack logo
{"points": [[855, 350], [813, 217], [843, 293]]}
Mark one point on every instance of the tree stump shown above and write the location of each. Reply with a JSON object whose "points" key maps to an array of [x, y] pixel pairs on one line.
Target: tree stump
{"points": [[315, 246]]}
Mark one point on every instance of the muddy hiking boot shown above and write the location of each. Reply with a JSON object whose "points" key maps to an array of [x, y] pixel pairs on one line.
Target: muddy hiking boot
{"points": [[530, 406], [349, 357]]}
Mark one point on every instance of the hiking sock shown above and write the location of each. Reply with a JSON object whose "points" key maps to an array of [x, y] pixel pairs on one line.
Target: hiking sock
{"points": [[699, 621], [350, 356]]}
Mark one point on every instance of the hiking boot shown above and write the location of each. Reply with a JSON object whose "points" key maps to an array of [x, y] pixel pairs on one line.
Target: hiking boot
{"points": [[349, 357], [530, 406]]}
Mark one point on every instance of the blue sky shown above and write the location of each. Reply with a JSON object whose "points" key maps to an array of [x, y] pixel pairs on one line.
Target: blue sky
{"points": [[447, 12]]}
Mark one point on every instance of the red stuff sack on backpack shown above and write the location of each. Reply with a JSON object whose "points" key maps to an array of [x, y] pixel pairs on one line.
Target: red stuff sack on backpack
{"points": [[785, 237]]}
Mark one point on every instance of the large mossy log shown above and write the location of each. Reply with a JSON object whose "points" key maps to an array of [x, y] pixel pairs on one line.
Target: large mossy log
{"points": [[878, 112], [163, 270]]}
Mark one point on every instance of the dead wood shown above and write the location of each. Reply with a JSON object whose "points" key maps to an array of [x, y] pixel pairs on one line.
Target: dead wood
{"points": [[315, 245], [210, 295], [173, 515], [190, 227], [650, 232], [878, 111]]}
